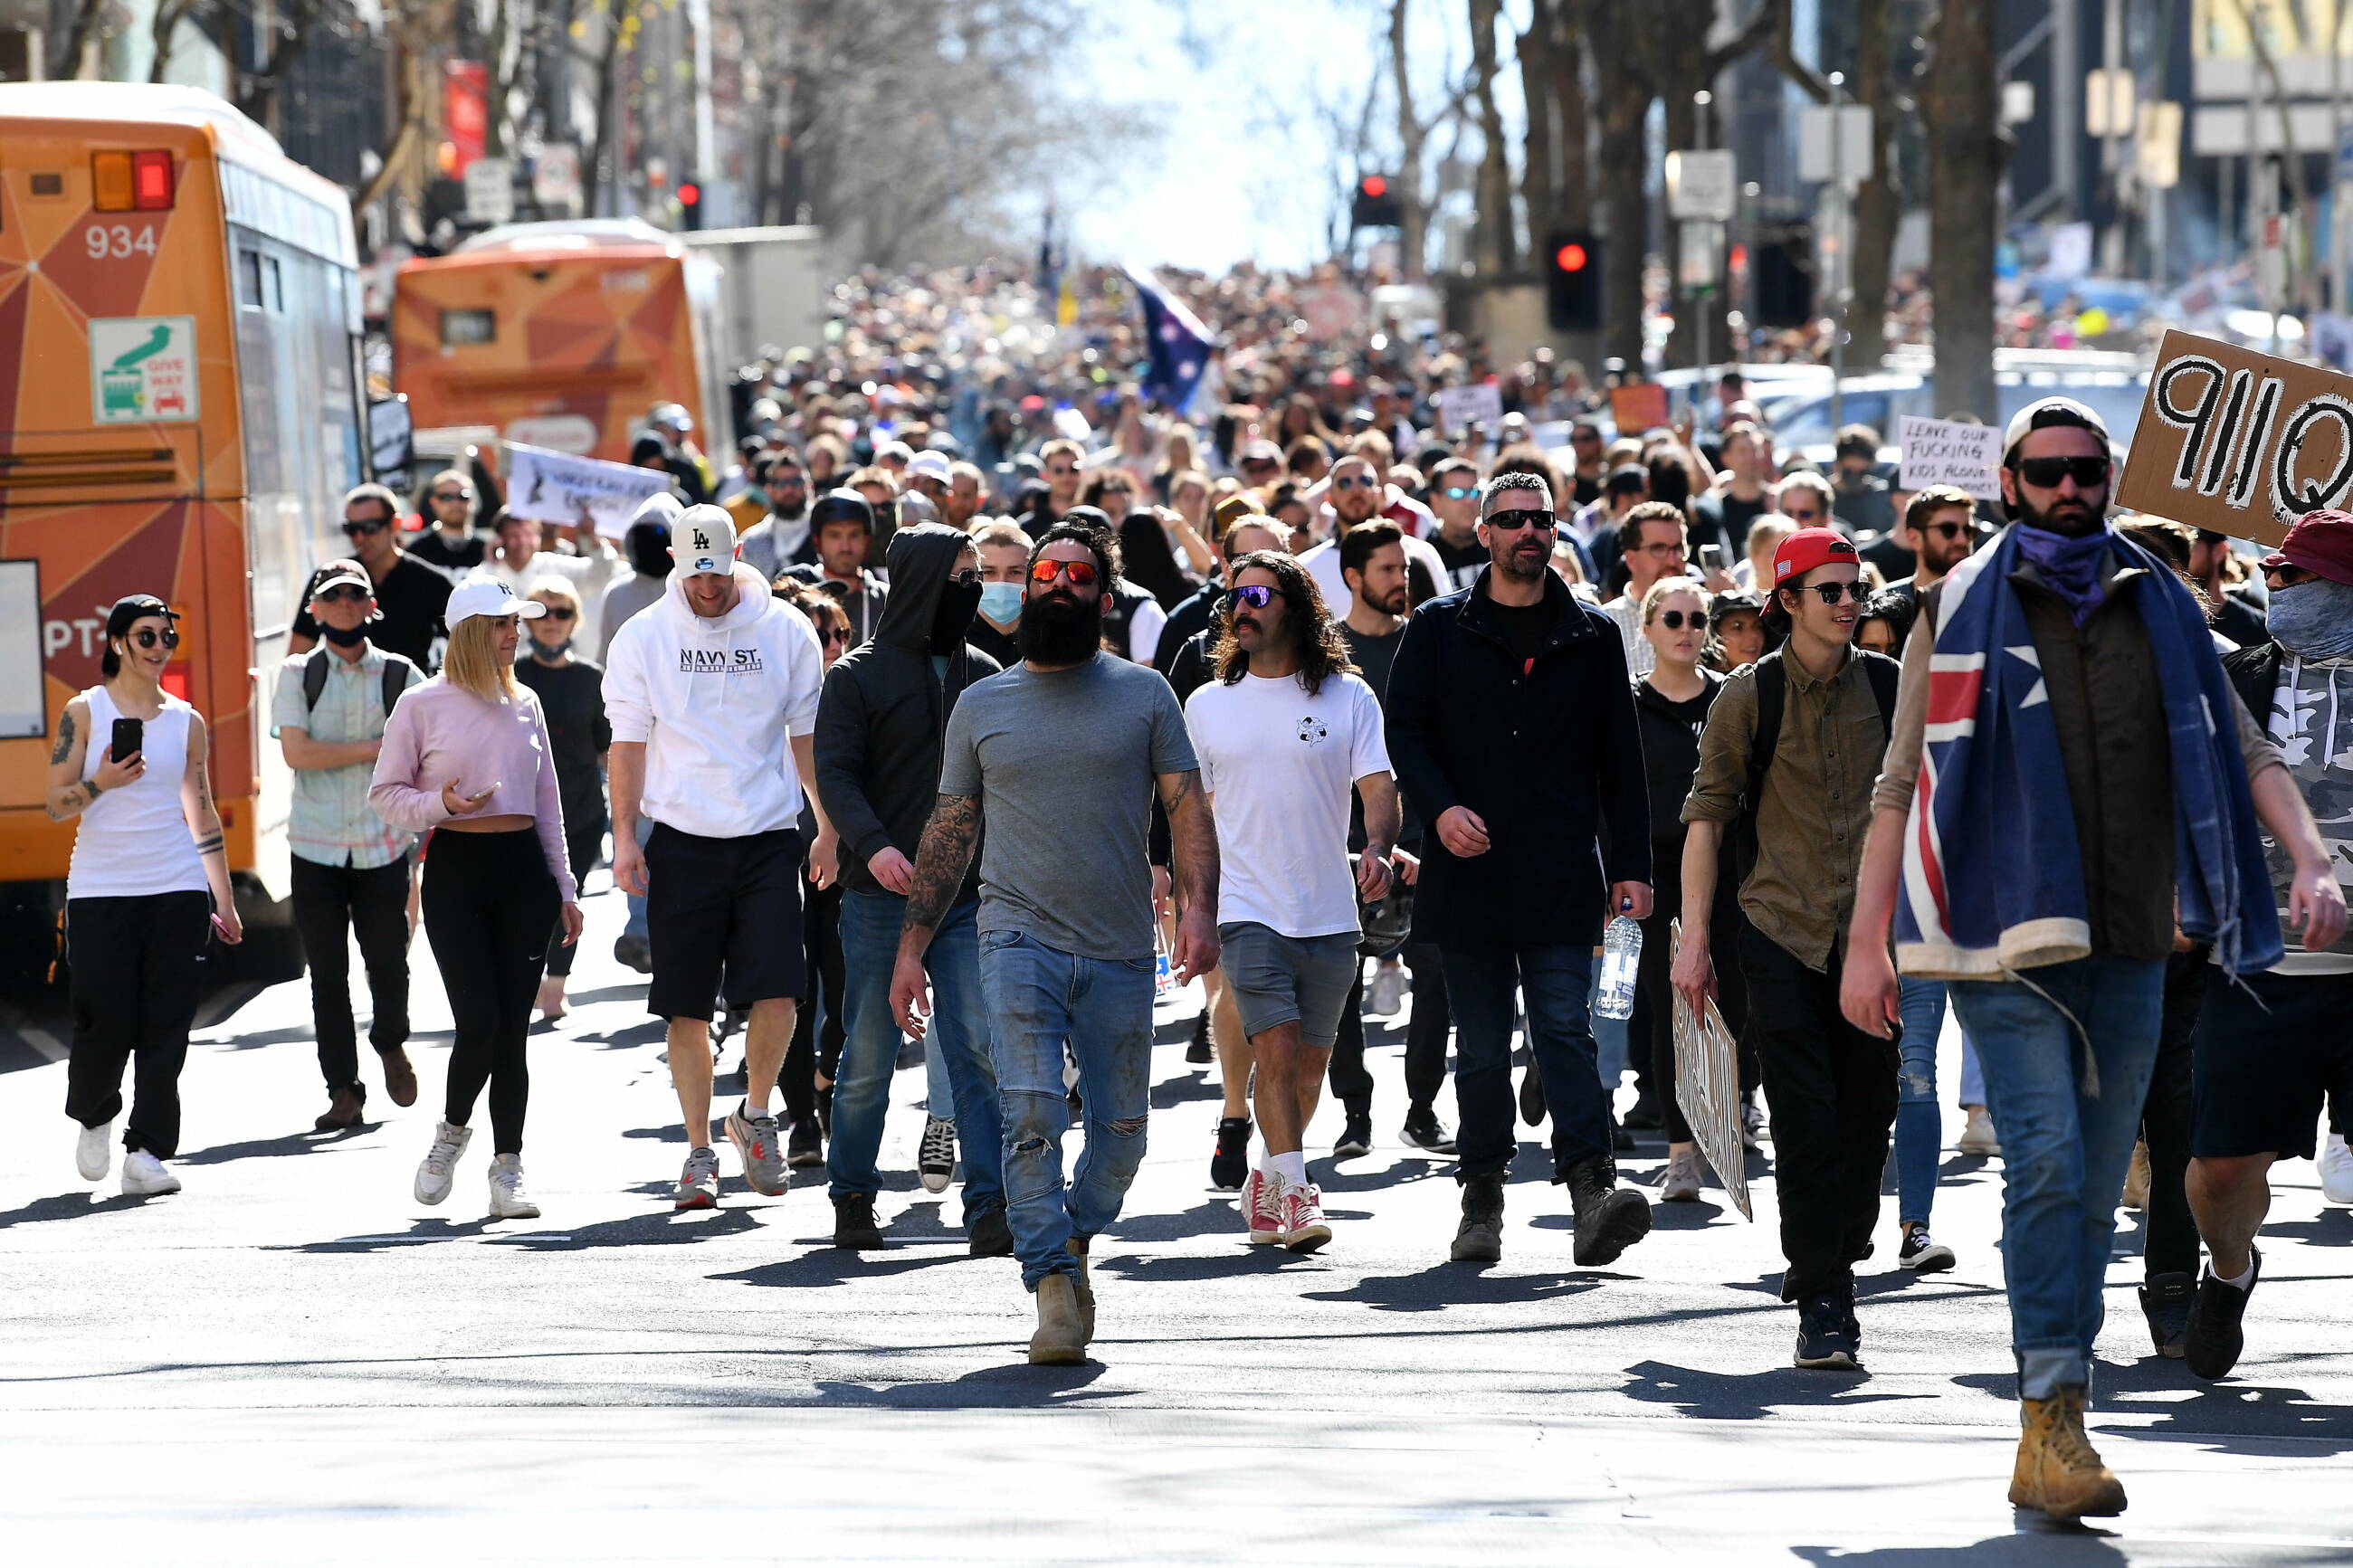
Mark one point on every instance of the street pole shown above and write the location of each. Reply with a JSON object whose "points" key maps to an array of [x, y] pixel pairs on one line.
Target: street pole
{"points": [[1702, 306], [1838, 251]]}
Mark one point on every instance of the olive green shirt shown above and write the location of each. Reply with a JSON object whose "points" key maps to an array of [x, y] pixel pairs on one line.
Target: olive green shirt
{"points": [[1817, 800]]}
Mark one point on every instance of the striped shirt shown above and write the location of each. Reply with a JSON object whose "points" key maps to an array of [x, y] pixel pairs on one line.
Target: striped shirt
{"points": [[331, 823]]}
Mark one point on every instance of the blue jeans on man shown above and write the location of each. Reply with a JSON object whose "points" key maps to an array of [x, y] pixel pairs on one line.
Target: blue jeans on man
{"points": [[958, 1037], [2066, 1138], [1556, 981], [1038, 998]]}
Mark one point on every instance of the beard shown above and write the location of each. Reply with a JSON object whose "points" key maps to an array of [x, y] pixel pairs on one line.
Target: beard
{"points": [[1518, 563], [2074, 519], [1060, 628]]}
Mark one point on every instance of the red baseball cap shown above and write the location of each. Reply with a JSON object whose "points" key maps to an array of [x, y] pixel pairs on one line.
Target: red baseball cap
{"points": [[1808, 548], [2320, 542]]}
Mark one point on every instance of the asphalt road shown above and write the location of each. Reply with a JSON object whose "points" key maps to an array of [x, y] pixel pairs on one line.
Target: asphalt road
{"points": [[292, 1361]]}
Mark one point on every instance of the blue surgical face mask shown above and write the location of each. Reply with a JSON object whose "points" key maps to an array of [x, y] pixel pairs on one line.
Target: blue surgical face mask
{"points": [[1001, 601], [2313, 619]]}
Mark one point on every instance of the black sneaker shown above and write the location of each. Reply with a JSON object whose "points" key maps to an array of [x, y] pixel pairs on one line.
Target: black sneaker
{"points": [[2215, 1333], [1921, 1253], [1356, 1136], [1610, 1218], [1532, 1098], [1621, 1140], [1825, 1342], [2165, 1302], [1198, 1050], [806, 1145], [632, 953], [1423, 1130], [1645, 1117], [1231, 1165], [854, 1224], [992, 1234], [824, 1111], [1480, 1237]]}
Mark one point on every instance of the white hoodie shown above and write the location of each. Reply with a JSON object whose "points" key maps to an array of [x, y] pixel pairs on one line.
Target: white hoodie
{"points": [[714, 701]]}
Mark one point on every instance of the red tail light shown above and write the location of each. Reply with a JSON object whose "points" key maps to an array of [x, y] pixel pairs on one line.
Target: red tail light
{"points": [[131, 182], [151, 181]]}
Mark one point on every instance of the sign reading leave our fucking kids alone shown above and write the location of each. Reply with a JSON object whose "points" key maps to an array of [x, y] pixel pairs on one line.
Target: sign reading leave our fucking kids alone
{"points": [[2237, 442]]}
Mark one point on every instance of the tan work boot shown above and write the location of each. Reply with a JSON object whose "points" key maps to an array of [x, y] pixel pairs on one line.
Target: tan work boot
{"points": [[2058, 1470], [2137, 1177], [1058, 1342], [344, 1111], [1086, 1290]]}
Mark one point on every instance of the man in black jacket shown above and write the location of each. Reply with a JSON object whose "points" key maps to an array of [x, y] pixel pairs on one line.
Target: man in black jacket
{"points": [[878, 726], [1512, 727]]}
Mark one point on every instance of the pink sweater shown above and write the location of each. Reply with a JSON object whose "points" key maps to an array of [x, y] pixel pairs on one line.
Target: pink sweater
{"points": [[438, 733]]}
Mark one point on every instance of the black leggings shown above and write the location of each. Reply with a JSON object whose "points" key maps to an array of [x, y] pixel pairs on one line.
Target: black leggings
{"points": [[582, 848], [817, 1040], [489, 903], [1425, 1038]]}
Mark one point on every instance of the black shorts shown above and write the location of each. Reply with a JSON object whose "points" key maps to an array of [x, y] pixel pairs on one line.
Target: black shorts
{"points": [[714, 903], [2260, 1077]]}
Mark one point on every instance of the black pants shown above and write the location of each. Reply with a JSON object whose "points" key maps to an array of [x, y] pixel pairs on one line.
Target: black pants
{"points": [[581, 849], [138, 972], [1650, 1032], [490, 902], [1425, 1037], [2169, 1233], [817, 1028], [332, 903], [1832, 1092]]}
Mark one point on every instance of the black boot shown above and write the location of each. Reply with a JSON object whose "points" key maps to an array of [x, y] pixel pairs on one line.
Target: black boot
{"points": [[2165, 1302], [1610, 1218], [1480, 1237]]}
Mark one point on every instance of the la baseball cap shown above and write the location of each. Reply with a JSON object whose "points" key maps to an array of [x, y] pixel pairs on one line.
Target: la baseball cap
{"points": [[2321, 542], [2044, 412], [704, 540], [1808, 548], [484, 596]]}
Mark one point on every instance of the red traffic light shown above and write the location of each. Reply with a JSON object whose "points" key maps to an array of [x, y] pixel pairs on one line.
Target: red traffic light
{"points": [[689, 193], [1374, 186], [1570, 258]]}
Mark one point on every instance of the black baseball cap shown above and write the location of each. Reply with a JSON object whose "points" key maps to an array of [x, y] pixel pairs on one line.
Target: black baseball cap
{"points": [[842, 506], [135, 607]]}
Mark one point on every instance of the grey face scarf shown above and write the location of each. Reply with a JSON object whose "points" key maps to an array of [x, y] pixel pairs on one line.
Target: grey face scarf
{"points": [[2312, 620]]}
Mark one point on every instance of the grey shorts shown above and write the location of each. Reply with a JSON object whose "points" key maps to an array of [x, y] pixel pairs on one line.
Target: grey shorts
{"points": [[1277, 979]]}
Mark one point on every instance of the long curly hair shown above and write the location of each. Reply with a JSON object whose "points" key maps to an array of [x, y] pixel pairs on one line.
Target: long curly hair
{"points": [[1314, 636]]}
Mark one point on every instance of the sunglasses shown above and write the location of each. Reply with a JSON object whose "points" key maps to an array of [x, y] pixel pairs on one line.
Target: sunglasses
{"points": [[2286, 577], [343, 596], [1355, 484], [1460, 492], [147, 637], [1528, 518], [1676, 620], [1257, 596], [1082, 574], [1801, 515], [453, 495], [1949, 530], [970, 575], [2044, 473], [1831, 593], [558, 612], [359, 529], [835, 633]]}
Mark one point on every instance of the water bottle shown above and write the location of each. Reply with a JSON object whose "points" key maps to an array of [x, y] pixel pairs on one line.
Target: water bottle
{"points": [[1621, 955], [1164, 978]]}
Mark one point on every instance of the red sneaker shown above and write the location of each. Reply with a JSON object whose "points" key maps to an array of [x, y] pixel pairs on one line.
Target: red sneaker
{"points": [[1303, 1229], [1262, 1207]]}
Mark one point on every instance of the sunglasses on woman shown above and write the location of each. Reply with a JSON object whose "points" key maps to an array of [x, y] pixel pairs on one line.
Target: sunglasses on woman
{"points": [[1257, 596], [1082, 574], [2044, 473], [148, 637], [343, 596], [1676, 620], [558, 612], [835, 633]]}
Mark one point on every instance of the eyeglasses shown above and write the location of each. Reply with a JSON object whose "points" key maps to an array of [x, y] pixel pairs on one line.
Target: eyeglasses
{"points": [[1459, 492], [1528, 518], [1831, 593], [558, 612], [361, 528], [1082, 574], [1352, 484], [2044, 473], [1673, 547], [453, 495], [147, 637], [1676, 620], [1257, 596], [343, 595]]}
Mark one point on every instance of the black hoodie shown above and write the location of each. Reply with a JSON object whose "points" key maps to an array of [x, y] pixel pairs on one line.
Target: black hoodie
{"points": [[885, 714]]}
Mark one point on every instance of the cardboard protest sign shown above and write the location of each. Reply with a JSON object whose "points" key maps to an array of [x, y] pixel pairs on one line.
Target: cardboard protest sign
{"points": [[1482, 403], [1944, 452], [556, 487], [1639, 407], [2237, 442], [1707, 1089]]}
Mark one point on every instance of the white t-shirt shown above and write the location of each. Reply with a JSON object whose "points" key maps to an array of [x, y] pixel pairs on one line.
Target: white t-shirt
{"points": [[1282, 764]]}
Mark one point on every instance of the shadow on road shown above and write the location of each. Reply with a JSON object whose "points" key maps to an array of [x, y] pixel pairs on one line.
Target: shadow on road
{"points": [[67, 1205], [1751, 1395], [1211, 1217], [1016, 1387], [290, 1144], [2230, 1416], [827, 1265], [1444, 1285], [666, 1227], [2038, 1542], [418, 1232]]}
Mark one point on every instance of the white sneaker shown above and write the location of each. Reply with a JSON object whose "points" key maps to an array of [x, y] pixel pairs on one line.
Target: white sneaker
{"points": [[143, 1175], [1386, 994], [439, 1167], [508, 1200], [94, 1152], [1978, 1137], [2335, 1170]]}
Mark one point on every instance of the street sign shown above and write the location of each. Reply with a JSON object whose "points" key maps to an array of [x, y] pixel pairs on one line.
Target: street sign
{"points": [[555, 177], [2109, 103], [2237, 442], [490, 191], [1849, 162], [142, 368], [2160, 144], [1699, 259], [1702, 184]]}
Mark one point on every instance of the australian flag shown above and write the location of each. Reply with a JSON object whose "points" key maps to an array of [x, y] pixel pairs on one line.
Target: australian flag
{"points": [[1178, 342]]}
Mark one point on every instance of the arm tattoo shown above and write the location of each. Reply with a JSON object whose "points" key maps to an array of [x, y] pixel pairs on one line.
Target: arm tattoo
{"points": [[65, 737], [209, 845], [941, 858], [1193, 837]]}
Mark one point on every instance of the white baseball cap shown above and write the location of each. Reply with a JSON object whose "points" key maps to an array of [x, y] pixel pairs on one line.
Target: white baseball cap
{"points": [[485, 596], [702, 539], [929, 465]]}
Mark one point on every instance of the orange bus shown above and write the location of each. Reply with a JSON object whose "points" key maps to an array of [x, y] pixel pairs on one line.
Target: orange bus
{"points": [[181, 410], [562, 335]]}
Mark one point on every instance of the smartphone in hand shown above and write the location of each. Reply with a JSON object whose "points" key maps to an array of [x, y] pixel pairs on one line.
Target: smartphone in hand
{"points": [[129, 740]]}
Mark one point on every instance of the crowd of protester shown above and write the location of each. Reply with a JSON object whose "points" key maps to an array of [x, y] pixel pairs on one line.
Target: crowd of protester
{"points": [[976, 681]]}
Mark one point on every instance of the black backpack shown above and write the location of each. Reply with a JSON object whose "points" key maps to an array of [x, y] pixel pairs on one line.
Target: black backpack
{"points": [[396, 671], [1772, 696]]}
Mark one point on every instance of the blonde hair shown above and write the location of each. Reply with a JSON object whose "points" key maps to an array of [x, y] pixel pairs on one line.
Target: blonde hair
{"points": [[471, 663], [555, 590], [1666, 586]]}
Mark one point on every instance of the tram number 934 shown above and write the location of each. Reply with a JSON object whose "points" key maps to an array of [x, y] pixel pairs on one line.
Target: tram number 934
{"points": [[119, 241]]}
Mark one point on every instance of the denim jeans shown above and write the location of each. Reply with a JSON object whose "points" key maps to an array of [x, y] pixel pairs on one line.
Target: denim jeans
{"points": [[958, 1040], [1038, 998], [1555, 981], [636, 924], [2063, 1148], [1919, 1120], [1972, 1073]]}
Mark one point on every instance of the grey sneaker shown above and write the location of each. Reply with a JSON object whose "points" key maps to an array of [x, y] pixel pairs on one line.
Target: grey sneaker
{"points": [[508, 1200], [761, 1143], [440, 1165], [935, 1156], [1681, 1186], [698, 1185]]}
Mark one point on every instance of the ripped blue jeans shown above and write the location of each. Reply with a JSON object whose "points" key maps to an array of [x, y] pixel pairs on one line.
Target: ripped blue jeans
{"points": [[1919, 1120], [1038, 998]]}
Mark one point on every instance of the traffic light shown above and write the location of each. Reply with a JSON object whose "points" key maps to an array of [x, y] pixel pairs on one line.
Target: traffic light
{"points": [[1573, 281], [690, 203], [1376, 204], [1782, 273]]}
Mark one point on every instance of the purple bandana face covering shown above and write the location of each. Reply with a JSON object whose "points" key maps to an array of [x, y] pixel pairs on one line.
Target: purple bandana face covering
{"points": [[2070, 565]]}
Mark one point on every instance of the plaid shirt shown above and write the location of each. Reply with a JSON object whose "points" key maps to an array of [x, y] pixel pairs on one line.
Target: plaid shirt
{"points": [[332, 823]]}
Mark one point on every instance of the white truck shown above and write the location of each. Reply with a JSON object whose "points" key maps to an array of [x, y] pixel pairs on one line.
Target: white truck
{"points": [[773, 292]]}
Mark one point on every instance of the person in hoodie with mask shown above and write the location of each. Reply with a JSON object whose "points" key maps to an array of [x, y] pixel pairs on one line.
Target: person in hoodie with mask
{"points": [[879, 732], [712, 697], [647, 544]]}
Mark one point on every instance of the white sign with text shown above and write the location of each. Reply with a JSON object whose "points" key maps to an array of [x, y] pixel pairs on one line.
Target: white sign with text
{"points": [[1943, 452]]}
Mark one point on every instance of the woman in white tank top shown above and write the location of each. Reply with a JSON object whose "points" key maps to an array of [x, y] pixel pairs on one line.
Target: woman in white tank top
{"points": [[149, 875]]}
